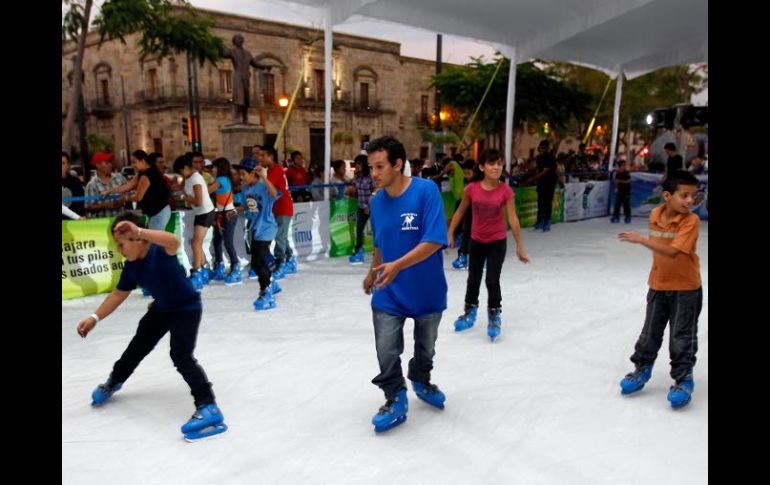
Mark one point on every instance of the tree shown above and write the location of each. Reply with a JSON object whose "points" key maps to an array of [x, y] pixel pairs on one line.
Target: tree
{"points": [[658, 89], [539, 97], [165, 27]]}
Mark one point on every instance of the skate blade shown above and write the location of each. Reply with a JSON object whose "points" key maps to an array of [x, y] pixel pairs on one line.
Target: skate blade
{"points": [[208, 432], [680, 405], [233, 284], [391, 425], [462, 329], [435, 405]]}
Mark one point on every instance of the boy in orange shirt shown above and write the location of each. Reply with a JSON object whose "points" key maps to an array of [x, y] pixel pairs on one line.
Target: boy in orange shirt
{"points": [[675, 293]]}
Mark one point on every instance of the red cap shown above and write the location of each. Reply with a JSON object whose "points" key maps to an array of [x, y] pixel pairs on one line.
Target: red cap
{"points": [[101, 158]]}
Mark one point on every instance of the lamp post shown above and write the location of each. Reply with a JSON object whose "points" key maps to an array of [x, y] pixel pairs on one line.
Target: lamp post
{"points": [[283, 102]]}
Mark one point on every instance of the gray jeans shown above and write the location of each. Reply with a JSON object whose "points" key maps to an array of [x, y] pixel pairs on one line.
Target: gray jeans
{"points": [[389, 339], [681, 309], [282, 250]]}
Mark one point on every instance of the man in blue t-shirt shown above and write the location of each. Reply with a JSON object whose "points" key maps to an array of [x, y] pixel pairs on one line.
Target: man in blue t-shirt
{"points": [[409, 228]]}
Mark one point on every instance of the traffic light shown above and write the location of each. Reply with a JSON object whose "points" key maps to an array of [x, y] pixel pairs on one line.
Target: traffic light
{"points": [[187, 128]]}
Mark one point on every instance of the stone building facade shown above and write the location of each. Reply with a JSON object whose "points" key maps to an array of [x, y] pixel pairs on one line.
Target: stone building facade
{"points": [[376, 91]]}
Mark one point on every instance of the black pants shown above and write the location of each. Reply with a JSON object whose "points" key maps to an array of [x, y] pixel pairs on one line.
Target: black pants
{"points": [[623, 198], [226, 236], [494, 255], [465, 229], [544, 202], [183, 326], [681, 308], [361, 218], [259, 252]]}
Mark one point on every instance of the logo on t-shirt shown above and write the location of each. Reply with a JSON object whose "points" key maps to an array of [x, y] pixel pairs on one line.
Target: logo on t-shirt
{"points": [[253, 205], [408, 219]]}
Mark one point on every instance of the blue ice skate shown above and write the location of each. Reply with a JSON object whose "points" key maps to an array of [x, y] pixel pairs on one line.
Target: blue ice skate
{"points": [[219, 272], [104, 391], [265, 301], [635, 381], [461, 262], [430, 393], [392, 414], [467, 319], [493, 326], [357, 257], [681, 394], [207, 421]]}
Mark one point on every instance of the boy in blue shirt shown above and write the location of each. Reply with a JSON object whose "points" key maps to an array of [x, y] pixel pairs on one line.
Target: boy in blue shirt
{"points": [[407, 218], [151, 263], [259, 195]]}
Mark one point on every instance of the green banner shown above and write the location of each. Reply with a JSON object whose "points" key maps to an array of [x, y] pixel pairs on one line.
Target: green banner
{"points": [[526, 206], [90, 261], [342, 228]]}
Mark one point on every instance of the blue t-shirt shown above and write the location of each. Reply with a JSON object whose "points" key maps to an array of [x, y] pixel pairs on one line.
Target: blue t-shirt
{"points": [[165, 279], [259, 211], [399, 224]]}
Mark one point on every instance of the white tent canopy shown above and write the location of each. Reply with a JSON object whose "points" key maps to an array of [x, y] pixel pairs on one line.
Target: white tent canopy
{"points": [[616, 36]]}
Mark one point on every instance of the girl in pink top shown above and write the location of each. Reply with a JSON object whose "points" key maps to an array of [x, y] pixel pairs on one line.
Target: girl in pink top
{"points": [[489, 199]]}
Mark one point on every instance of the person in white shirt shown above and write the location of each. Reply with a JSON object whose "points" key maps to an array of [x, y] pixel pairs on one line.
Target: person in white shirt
{"points": [[197, 195]]}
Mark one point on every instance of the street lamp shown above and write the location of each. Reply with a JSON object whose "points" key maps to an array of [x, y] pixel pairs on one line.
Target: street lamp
{"points": [[283, 102]]}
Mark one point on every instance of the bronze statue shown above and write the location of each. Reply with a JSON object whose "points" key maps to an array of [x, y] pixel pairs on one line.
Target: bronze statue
{"points": [[242, 60]]}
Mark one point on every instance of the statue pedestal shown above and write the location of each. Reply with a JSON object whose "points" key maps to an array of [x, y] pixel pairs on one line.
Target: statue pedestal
{"points": [[237, 140]]}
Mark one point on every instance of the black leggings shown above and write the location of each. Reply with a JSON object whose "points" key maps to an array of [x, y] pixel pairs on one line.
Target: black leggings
{"points": [[494, 255], [259, 252]]}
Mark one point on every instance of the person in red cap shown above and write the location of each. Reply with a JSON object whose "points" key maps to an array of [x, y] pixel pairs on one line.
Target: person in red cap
{"points": [[105, 179]]}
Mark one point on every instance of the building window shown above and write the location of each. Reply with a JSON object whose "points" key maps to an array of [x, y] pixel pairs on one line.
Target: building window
{"points": [[364, 142], [105, 92], [268, 89], [424, 108], [319, 84], [152, 80], [225, 81], [364, 95]]}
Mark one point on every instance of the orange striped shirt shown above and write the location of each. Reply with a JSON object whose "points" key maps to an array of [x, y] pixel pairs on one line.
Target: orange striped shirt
{"points": [[682, 272]]}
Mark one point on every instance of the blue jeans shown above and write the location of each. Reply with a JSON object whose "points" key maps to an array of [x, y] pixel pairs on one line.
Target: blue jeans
{"points": [[389, 339], [160, 220], [282, 248]]}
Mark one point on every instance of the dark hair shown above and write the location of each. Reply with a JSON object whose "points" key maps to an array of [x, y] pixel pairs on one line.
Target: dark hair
{"points": [[295, 153], [391, 146], [196, 154], [544, 144], [130, 217], [362, 160], [337, 163], [488, 155], [458, 157], [140, 155], [271, 151], [181, 162], [677, 178], [669, 146], [153, 157], [66, 155], [223, 168]]}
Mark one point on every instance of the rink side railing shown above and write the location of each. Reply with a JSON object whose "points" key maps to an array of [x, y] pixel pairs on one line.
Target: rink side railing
{"points": [[91, 263]]}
